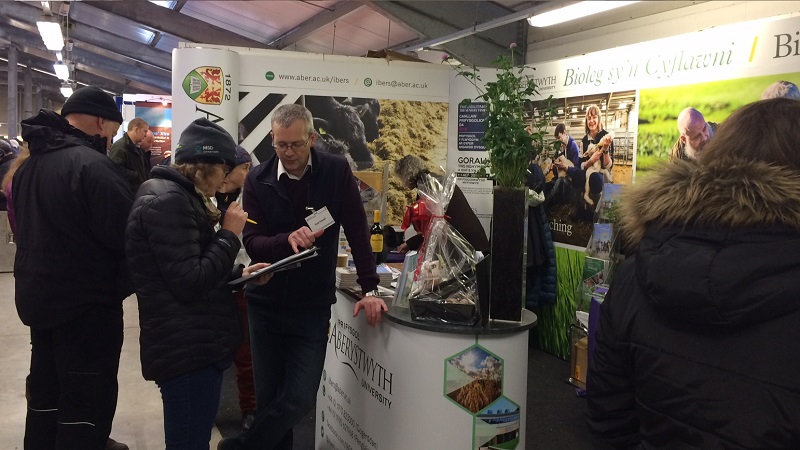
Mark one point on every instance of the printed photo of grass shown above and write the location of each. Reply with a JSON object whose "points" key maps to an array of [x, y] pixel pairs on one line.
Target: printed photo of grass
{"points": [[555, 320]]}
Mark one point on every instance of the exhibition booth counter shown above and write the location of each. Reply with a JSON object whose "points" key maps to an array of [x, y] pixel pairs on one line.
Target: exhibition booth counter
{"points": [[421, 384]]}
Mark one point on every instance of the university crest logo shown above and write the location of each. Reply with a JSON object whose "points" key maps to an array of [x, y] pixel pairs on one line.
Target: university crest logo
{"points": [[204, 85]]}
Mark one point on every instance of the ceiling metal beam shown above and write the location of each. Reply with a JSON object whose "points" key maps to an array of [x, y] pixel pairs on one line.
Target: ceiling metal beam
{"points": [[80, 45], [312, 25], [467, 14], [470, 49], [478, 28], [23, 16], [118, 84], [172, 22], [96, 61]]}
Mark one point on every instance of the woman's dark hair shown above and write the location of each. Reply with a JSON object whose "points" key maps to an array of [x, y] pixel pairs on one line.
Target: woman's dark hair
{"points": [[560, 128], [766, 130]]}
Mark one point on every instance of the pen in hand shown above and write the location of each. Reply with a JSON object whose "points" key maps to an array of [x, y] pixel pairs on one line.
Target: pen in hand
{"points": [[223, 211]]}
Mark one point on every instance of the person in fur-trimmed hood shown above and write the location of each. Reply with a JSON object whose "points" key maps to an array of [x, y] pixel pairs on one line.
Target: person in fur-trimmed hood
{"points": [[698, 338]]}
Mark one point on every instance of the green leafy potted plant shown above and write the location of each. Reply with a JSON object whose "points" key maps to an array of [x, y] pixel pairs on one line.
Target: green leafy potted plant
{"points": [[510, 148]]}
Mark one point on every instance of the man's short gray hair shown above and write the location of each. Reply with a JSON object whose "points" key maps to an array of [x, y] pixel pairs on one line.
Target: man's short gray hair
{"points": [[285, 116], [410, 169]]}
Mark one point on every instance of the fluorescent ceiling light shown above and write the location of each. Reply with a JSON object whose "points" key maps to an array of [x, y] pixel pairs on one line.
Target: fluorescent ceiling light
{"points": [[165, 4], [66, 90], [575, 11], [51, 34], [62, 71], [59, 56]]}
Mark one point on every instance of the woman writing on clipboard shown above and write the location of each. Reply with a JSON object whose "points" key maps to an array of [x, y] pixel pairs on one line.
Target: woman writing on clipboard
{"points": [[189, 323]]}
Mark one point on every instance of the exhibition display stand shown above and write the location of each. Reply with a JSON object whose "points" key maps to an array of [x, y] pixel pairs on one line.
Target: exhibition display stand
{"points": [[418, 384]]}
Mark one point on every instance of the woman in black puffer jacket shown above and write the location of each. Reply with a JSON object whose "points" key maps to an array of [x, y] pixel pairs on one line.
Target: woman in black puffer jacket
{"points": [[698, 335], [189, 323]]}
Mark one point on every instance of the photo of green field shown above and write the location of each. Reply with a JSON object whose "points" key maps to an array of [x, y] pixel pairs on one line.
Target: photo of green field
{"points": [[659, 109]]}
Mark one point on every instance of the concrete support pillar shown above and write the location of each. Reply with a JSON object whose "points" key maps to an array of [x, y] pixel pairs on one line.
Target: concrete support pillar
{"points": [[13, 105], [27, 96], [37, 100]]}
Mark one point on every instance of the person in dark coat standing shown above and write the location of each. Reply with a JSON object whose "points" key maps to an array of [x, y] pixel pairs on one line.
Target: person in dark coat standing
{"points": [[180, 265], [7, 157], [71, 206], [231, 191], [698, 336], [133, 160]]}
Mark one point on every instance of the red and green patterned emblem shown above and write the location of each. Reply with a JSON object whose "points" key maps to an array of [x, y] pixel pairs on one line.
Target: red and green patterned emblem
{"points": [[204, 85]]}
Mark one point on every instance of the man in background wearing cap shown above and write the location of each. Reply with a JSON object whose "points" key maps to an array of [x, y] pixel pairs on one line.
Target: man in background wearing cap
{"points": [[126, 153], [71, 205]]}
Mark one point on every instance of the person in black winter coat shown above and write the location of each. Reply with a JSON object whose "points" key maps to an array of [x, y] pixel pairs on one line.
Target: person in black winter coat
{"points": [[189, 322], [698, 335], [71, 204], [7, 157], [132, 160]]}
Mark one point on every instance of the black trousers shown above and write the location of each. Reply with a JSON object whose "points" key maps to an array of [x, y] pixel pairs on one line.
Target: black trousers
{"points": [[72, 386]]}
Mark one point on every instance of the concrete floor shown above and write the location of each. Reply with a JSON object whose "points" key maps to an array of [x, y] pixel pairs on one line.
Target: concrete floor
{"points": [[139, 418], [555, 413]]}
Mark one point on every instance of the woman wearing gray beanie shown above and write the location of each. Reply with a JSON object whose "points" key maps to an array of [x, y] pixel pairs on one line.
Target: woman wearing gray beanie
{"points": [[180, 265]]}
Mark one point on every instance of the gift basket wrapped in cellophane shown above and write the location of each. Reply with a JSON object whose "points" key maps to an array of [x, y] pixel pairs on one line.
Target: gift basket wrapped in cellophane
{"points": [[444, 287]]}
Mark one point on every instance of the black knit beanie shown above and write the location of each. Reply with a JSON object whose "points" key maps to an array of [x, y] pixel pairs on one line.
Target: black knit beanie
{"points": [[93, 101], [205, 141]]}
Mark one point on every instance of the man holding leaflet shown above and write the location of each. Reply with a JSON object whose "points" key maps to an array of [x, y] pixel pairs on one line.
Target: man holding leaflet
{"points": [[298, 198]]}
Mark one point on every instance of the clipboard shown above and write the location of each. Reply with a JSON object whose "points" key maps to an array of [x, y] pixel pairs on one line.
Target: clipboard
{"points": [[290, 262]]}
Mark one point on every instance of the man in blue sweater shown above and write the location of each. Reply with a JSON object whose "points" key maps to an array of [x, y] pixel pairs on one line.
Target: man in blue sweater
{"points": [[289, 317]]}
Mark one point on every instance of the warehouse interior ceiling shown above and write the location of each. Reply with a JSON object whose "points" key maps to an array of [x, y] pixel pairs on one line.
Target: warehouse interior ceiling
{"points": [[125, 46]]}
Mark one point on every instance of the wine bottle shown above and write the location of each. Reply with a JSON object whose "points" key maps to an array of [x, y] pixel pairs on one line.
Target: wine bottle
{"points": [[376, 237]]}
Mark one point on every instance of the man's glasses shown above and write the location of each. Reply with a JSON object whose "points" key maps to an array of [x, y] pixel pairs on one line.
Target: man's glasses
{"points": [[283, 146]]}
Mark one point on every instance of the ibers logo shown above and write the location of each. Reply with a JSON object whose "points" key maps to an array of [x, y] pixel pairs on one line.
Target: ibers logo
{"points": [[204, 85]]}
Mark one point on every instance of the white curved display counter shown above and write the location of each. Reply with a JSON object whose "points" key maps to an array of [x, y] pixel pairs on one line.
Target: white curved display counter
{"points": [[422, 385]]}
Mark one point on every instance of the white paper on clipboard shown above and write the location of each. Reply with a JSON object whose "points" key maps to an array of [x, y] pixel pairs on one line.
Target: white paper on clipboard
{"points": [[290, 262]]}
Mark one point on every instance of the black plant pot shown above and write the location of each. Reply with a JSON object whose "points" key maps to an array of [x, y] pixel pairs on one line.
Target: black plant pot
{"points": [[509, 242]]}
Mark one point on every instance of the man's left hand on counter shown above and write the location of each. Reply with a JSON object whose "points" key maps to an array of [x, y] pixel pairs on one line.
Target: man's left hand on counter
{"points": [[373, 308]]}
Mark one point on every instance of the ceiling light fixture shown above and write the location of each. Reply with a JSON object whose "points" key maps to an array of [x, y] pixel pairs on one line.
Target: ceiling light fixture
{"points": [[575, 11], [62, 71], [50, 29], [66, 89]]}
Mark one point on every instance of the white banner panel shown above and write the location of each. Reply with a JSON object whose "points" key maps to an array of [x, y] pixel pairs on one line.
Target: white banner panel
{"points": [[205, 83], [315, 74], [739, 50]]}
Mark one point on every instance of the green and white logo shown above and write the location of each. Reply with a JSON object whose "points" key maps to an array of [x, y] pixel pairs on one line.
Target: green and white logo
{"points": [[367, 82], [270, 75]]}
